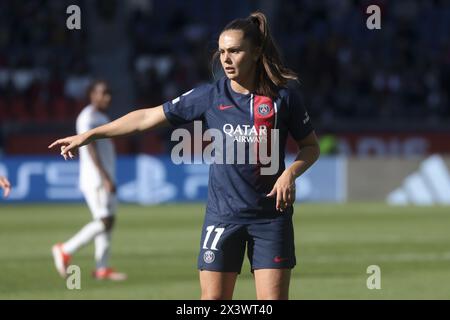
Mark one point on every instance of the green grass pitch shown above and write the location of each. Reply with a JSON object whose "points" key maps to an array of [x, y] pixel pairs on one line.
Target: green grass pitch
{"points": [[157, 246]]}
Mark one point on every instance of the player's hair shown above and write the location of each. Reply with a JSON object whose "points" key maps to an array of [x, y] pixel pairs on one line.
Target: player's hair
{"points": [[270, 71]]}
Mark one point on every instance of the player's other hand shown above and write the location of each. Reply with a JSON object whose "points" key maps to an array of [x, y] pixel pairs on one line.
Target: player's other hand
{"points": [[70, 145], [109, 185], [284, 191], [5, 185]]}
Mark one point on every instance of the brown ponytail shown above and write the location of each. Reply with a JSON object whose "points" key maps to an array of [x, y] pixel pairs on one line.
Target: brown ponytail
{"points": [[270, 72]]}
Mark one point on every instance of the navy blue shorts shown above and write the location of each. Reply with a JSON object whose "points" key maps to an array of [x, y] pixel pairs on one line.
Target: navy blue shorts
{"points": [[269, 245]]}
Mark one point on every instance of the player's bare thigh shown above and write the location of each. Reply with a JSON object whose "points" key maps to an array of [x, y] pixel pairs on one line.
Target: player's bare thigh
{"points": [[272, 284], [217, 285]]}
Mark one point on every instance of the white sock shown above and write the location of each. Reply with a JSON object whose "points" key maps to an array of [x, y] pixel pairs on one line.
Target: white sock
{"points": [[84, 236], [102, 245]]}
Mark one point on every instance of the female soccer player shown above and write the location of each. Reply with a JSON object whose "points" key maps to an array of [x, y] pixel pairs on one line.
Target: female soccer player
{"points": [[245, 208], [5, 185]]}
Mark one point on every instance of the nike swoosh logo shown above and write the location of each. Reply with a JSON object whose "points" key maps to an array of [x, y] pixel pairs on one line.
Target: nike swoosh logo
{"points": [[222, 107], [278, 259]]}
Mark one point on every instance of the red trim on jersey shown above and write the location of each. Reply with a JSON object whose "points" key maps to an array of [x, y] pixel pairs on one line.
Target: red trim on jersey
{"points": [[263, 117]]}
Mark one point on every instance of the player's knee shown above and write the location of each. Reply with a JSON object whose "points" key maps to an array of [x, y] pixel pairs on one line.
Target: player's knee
{"points": [[108, 223], [273, 296], [214, 296]]}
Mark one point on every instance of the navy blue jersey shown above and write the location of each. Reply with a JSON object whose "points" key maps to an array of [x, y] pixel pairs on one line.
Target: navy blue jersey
{"points": [[237, 192]]}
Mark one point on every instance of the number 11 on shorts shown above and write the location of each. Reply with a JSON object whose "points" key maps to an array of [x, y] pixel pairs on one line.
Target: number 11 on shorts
{"points": [[218, 232]]}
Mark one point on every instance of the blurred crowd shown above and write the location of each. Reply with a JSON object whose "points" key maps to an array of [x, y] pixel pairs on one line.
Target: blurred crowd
{"points": [[172, 44], [398, 73], [44, 69], [348, 72]]}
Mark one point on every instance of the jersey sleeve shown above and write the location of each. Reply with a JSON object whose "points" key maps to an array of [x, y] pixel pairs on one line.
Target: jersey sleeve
{"points": [[189, 106], [299, 123]]}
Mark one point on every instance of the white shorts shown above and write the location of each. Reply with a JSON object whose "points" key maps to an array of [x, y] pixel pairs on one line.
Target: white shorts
{"points": [[101, 203]]}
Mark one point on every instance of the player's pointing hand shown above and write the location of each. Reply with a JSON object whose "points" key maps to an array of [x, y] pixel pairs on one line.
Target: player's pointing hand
{"points": [[70, 145]]}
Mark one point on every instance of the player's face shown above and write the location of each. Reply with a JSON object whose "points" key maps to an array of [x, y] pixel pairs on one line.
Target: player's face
{"points": [[236, 55], [101, 96]]}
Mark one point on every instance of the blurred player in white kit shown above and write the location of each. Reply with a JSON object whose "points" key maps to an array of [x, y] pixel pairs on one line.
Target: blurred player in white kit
{"points": [[97, 182]]}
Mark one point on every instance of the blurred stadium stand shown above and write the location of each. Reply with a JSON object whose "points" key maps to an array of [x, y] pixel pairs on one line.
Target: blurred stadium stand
{"points": [[392, 85]]}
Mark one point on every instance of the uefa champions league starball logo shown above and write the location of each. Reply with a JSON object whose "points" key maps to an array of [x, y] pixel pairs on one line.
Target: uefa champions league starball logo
{"points": [[263, 109], [209, 256]]}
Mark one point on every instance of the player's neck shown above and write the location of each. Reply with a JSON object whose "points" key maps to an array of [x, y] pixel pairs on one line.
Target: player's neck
{"points": [[98, 108], [243, 87]]}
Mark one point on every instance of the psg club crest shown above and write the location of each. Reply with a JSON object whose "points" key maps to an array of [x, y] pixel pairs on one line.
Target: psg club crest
{"points": [[263, 109], [209, 256]]}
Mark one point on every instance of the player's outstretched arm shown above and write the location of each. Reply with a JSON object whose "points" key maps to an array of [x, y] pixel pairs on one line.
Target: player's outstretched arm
{"points": [[133, 122], [5, 185]]}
